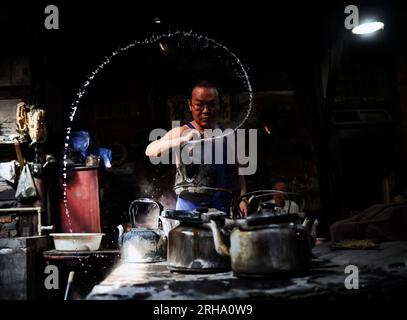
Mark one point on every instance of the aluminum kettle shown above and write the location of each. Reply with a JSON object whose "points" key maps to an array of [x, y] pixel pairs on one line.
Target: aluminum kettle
{"points": [[143, 244], [265, 245]]}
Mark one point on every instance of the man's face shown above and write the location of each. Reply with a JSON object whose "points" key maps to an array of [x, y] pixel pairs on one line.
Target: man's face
{"points": [[280, 186], [204, 106]]}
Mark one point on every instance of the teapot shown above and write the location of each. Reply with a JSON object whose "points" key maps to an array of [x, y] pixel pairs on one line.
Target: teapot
{"points": [[264, 243], [191, 246], [140, 244]]}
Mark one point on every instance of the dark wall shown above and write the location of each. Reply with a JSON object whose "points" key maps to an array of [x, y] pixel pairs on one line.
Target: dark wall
{"points": [[302, 51]]}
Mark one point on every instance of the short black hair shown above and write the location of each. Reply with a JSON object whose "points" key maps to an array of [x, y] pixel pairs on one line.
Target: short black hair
{"points": [[203, 84]]}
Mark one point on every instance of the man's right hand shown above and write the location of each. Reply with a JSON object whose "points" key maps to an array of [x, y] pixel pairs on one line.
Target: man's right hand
{"points": [[172, 139], [187, 135]]}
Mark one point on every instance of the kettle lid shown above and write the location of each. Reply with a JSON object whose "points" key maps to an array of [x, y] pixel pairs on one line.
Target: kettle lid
{"points": [[183, 215], [265, 219], [198, 215]]}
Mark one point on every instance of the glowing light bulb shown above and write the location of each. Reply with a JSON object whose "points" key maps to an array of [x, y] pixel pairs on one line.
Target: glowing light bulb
{"points": [[368, 27]]}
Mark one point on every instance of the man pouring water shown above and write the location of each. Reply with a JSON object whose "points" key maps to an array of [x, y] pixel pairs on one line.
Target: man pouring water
{"points": [[208, 182]]}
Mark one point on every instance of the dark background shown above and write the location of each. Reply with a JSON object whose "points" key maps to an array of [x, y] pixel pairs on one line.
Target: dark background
{"points": [[335, 103]]}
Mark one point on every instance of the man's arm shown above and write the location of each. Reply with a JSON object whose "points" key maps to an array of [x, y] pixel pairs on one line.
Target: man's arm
{"points": [[243, 204], [172, 139], [242, 183]]}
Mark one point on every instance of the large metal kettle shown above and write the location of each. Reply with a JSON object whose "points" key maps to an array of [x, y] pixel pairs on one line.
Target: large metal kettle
{"points": [[264, 243], [191, 246], [143, 244]]}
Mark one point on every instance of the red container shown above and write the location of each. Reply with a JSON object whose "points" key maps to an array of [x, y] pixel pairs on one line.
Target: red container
{"points": [[82, 192]]}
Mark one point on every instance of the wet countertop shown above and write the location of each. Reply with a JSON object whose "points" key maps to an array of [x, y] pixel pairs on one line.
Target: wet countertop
{"points": [[382, 272]]}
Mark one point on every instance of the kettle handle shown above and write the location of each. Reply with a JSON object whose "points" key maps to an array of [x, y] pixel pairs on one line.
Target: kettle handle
{"points": [[259, 194], [145, 200], [258, 220], [134, 203]]}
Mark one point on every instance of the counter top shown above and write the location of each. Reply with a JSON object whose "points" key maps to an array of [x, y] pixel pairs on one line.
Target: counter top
{"points": [[381, 271]]}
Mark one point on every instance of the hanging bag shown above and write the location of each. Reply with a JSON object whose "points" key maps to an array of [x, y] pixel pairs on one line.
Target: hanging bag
{"points": [[26, 187]]}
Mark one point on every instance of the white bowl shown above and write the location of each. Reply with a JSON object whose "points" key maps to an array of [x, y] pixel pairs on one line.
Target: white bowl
{"points": [[77, 241]]}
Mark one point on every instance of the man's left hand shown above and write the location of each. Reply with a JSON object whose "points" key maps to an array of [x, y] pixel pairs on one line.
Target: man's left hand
{"points": [[244, 209]]}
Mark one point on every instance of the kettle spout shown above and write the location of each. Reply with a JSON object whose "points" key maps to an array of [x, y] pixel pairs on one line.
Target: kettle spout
{"points": [[306, 223], [121, 231], [220, 245], [313, 232]]}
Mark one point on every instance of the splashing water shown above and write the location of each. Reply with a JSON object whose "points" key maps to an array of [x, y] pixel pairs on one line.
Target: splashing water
{"points": [[201, 40]]}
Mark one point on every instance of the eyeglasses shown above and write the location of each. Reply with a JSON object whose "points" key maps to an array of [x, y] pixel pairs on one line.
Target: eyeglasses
{"points": [[201, 106]]}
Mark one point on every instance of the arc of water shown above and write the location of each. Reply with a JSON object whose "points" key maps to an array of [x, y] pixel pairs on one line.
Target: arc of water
{"points": [[153, 39]]}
